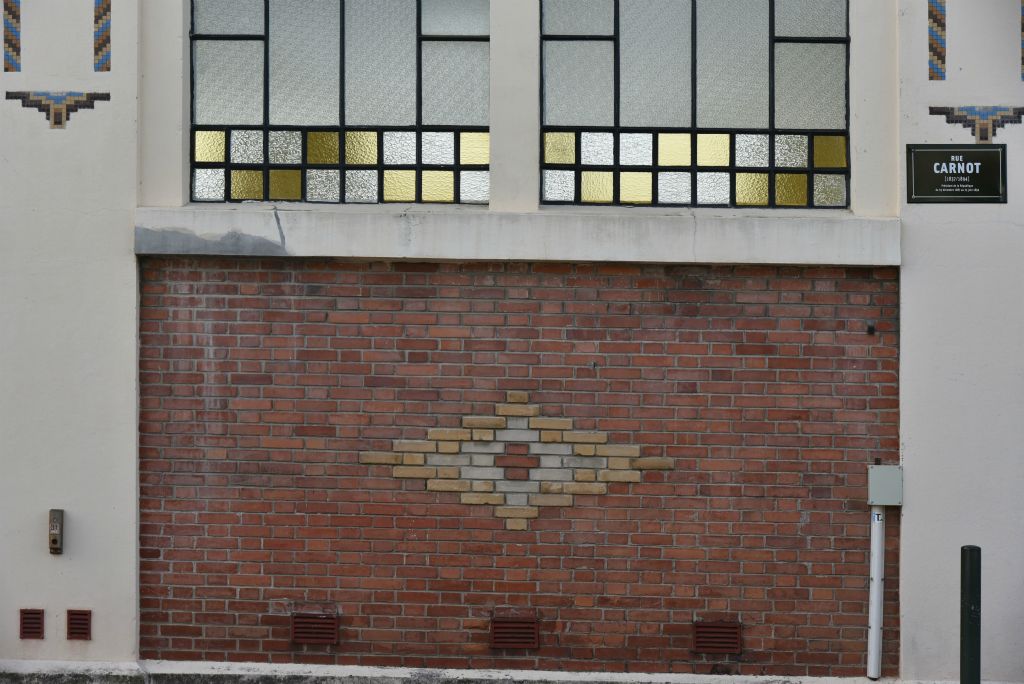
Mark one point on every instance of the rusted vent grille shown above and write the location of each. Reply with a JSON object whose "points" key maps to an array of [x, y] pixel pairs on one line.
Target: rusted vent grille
{"points": [[30, 624], [515, 629], [717, 637], [80, 625], [315, 629]]}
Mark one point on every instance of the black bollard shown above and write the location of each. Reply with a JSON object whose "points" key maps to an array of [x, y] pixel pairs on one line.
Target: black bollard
{"points": [[970, 615]]}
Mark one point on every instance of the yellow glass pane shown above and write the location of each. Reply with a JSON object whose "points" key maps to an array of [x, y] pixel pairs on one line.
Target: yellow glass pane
{"points": [[597, 186], [210, 146], [474, 148], [559, 148], [246, 185], [635, 187], [286, 185], [361, 147], [322, 148], [791, 189], [752, 189], [399, 186], [674, 149], [438, 186], [830, 151], [713, 149]]}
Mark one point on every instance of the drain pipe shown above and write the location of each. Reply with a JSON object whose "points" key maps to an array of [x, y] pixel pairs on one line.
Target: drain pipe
{"points": [[877, 589]]}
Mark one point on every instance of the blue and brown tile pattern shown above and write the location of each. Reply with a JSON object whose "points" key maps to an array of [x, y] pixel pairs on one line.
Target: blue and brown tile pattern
{"points": [[58, 107], [12, 35], [936, 40], [101, 36], [983, 122]]}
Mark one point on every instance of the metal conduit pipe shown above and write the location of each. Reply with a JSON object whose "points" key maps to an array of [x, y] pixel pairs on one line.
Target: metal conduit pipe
{"points": [[877, 589]]}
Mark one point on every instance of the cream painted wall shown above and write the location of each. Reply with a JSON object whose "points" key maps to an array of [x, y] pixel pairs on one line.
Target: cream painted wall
{"points": [[68, 337], [962, 394]]}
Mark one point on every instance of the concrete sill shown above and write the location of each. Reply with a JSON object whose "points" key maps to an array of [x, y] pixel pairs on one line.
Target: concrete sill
{"points": [[419, 232]]}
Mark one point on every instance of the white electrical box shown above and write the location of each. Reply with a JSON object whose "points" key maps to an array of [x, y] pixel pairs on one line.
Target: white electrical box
{"points": [[885, 485]]}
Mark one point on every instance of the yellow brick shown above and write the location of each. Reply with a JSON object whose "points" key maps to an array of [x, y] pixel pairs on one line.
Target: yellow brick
{"points": [[654, 463], [550, 500], [516, 511], [620, 463], [583, 450], [483, 486], [449, 435], [621, 450], [448, 447], [413, 459], [515, 397], [422, 446], [585, 437], [618, 476], [526, 410], [549, 436], [550, 424], [483, 435], [550, 487], [515, 524], [415, 472], [487, 422], [447, 485], [479, 499], [380, 458], [448, 472], [583, 475], [585, 488]]}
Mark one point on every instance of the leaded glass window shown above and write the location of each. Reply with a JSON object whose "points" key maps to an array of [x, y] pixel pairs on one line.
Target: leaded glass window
{"points": [[695, 102], [357, 101]]}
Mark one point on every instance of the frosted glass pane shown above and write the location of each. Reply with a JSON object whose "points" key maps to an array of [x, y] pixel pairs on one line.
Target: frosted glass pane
{"points": [[361, 186], [732, 63], [228, 16], [579, 17], [399, 147], [751, 150], [810, 86], [559, 186], [475, 187], [578, 83], [246, 147], [456, 17], [380, 62], [208, 185], [791, 150], [829, 191], [305, 70], [674, 188], [654, 56], [228, 87], [810, 18], [597, 149], [439, 148], [636, 149], [323, 185], [713, 188], [456, 83], [285, 147]]}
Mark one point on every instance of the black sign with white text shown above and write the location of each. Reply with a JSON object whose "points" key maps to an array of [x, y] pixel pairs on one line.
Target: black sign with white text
{"points": [[965, 174]]}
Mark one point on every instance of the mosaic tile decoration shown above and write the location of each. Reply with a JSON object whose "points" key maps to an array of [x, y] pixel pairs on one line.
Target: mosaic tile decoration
{"points": [[101, 36], [983, 122], [516, 461], [58, 107], [1022, 40], [936, 40], [12, 35]]}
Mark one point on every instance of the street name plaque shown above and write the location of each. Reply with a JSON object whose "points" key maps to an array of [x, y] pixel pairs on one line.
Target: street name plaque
{"points": [[963, 174]]}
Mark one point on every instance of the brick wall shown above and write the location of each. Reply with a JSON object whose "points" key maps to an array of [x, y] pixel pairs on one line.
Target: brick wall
{"points": [[298, 416]]}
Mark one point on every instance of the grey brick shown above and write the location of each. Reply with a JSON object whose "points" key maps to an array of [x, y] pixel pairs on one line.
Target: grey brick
{"points": [[483, 448], [473, 473], [551, 449], [551, 461], [517, 499], [551, 474], [518, 423], [447, 460], [519, 486], [583, 462], [483, 460], [516, 435]]}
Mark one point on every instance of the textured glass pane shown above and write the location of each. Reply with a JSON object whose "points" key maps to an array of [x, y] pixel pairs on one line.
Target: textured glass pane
{"points": [[246, 147], [456, 17], [285, 147], [732, 64], [439, 148], [456, 83], [399, 186], [674, 149], [810, 18], [210, 146], [636, 149], [361, 186], [399, 147], [559, 186], [380, 62], [830, 151], [597, 149], [559, 148], [752, 189], [578, 83], [475, 187], [438, 186], [229, 16], [791, 150], [474, 148], [791, 189], [713, 149], [323, 185], [751, 150], [361, 147], [286, 185], [654, 56], [246, 185], [322, 147], [674, 188], [829, 191], [228, 86], [305, 70], [579, 17], [810, 86], [712, 188], [635, 187], [209, 185], [596, 186]]}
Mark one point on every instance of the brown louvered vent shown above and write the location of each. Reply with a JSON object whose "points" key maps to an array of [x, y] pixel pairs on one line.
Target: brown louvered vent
{"points": [[30, 624], [515, 629], [318, 629], [717, 637], [80, 625]]}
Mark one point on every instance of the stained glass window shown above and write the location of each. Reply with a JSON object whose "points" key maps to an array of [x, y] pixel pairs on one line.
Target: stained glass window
{"points": [[357, 101], [733, 103]]}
